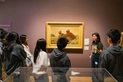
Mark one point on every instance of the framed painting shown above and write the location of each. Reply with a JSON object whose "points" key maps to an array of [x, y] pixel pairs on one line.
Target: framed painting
{"points": [[73, 31]]}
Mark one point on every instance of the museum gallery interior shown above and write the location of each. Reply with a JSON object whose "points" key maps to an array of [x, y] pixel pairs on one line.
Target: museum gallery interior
{"points": [[36, 19]]}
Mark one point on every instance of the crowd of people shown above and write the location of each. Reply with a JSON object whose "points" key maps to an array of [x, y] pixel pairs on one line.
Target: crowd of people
{"points": [[15, 53]]}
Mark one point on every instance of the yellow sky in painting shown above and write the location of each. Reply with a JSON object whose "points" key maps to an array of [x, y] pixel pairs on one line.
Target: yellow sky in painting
{"points": [[55, 30]]}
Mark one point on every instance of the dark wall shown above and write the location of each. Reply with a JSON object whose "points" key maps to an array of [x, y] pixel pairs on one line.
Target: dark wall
{"points": [[30, 16]]}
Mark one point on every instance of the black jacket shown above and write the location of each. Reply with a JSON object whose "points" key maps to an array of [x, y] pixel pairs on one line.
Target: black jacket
{"points": [[14, 58], [59, 59], [112, 60]]}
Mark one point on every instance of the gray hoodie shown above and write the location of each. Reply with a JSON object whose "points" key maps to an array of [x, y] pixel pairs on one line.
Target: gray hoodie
{"points": [[59, 59], [14, 58], [112, 60]]}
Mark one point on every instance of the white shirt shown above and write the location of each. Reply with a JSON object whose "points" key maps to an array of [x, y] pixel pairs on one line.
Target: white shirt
{"points": [[42, 62], [27, 50]]}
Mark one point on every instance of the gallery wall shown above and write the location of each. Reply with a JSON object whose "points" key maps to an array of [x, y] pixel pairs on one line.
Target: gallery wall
{"points": [[30, 16]]}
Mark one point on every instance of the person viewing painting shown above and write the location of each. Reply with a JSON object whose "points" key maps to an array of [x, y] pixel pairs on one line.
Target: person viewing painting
{"points": [[3, 42], [112, 57], [14, 55], [24, 43], [60, 62], [1, 55], [41, 61]]}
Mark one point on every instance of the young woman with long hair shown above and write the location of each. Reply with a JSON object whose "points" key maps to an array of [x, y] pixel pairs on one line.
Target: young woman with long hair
{"points": [[97, 48], [14, 55], [41, 61], [24, 40]]}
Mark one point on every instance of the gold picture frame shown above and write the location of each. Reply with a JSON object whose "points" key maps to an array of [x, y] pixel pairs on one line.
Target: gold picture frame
{"points": [[71, 30]]}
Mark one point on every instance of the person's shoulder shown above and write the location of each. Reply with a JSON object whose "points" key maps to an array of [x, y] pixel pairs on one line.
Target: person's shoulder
{"points": [[42, 52], [106, 52], [100, 43], [64, 56], [23, 45], [18, 46], [53, 51]]}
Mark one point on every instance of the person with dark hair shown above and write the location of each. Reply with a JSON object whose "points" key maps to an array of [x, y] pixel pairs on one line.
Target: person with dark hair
{"points": [[3, 42], [4, 34], [1, 31], [60, 62], [112, 57], [14, 54], [97, 48], [24, 40], [3, 38], [41, 61]]}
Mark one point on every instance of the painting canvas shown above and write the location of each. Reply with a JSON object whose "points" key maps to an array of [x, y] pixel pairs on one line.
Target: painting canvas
{"points": [[73, 31]]}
